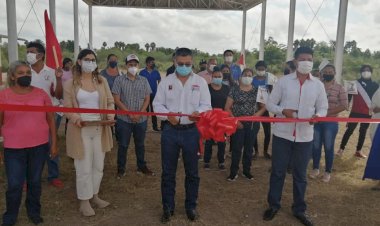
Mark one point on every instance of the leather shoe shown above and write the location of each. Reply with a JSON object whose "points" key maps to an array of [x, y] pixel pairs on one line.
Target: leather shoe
{"points": [[269, 214], [192, 215], [166, 216], [36, 219], [304, 219]]}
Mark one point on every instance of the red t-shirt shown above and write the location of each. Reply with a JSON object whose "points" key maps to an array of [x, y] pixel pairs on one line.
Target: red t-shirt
{"points": [[22, 129]]}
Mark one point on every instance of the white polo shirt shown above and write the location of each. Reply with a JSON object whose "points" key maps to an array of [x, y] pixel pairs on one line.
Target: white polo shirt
{"points": [[307, 99], [44, 79], [172, 96]]}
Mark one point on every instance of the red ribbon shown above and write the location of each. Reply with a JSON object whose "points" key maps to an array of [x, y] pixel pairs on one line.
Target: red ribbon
{"points": [[215, 124]]}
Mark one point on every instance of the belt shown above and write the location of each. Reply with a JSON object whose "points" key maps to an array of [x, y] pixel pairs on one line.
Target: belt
{"points": [[181, 127]]}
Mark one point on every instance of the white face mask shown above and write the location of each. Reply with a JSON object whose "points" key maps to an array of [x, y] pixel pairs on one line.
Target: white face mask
{"points": [[31, 58], [88, 66], [211, 67], [366, 74], [228, 59], [305, 67], [133, 70], [246, 80], [260, 73]]}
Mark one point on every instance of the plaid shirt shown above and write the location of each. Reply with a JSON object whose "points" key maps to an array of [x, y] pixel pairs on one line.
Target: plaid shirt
{"points": [[336, 96], [132, 94]]}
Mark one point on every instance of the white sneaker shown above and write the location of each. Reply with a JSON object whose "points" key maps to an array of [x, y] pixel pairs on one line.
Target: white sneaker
{"points": [[314, 174], [340, 153], [326, 177]]}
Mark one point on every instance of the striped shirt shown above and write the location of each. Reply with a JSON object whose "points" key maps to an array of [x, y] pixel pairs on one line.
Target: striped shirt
{"points": [[132, 94], [336, 96]]}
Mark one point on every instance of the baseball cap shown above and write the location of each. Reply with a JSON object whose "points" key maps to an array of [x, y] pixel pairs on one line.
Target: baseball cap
{"points": [[132, 57]]}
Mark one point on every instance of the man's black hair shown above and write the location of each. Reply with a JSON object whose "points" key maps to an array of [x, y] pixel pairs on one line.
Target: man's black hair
{"points": [[303, 50], [183, 52], [66, 60], [110, 55], [40, 48], [364, 66], [228, 51], [260, 63], [149, 59]]}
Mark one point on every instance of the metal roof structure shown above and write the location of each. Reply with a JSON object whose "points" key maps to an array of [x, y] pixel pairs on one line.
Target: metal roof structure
{"points": [[237, 5]]}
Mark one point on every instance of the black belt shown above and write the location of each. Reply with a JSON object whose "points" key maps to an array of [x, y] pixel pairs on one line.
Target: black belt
{"points": [[181, 127]]}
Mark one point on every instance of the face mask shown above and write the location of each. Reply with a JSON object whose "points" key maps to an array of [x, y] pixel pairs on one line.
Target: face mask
{"points": [[246, 80], [24, 81], [211, 67], [228, 59], [31, 58], [183, 70], [217, 81], [133, 70], [286, 71], [227, 83], [226, 76], [366, 74], [202, 68], [260, 73], [305, 67], [88, 66], [328, 78], [113, 64]]}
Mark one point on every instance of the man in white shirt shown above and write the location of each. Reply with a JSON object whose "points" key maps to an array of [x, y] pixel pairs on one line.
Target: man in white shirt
{"points": [[298, 95], [187, 93], [50, 81]]}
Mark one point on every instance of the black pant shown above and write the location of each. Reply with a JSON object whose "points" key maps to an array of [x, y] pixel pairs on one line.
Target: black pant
{"points": [[351, 128], [150, 109], [208, 151], [267, 134], [242, 144]]}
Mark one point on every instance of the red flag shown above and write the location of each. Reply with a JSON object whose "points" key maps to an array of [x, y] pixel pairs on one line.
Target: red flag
{"points": [[241, 60], [53, 50]]}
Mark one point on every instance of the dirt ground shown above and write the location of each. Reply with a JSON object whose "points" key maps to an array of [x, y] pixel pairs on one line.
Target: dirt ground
{"points": [[136, 199]]}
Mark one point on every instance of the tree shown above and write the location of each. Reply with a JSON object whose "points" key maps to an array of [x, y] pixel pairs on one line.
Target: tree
{"points": [[147, 47], [104, 45], [153, 46], [367, 53]]}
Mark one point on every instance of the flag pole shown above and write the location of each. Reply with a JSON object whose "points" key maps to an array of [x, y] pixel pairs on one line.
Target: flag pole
{"points": [[55, 57]]}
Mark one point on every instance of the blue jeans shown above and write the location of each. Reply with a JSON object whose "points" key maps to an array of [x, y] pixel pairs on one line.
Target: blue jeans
{"points": [[124, 131], [21, 164], [172, 140], [208, 151], [300, 153], [324, 134], [242, 141], [53, 164]]}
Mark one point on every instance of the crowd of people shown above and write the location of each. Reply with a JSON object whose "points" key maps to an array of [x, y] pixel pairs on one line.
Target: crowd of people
{"points": [[30, 138]]}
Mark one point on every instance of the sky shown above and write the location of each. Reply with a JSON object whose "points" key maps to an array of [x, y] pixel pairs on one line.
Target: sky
{"points": [[208, 31]]}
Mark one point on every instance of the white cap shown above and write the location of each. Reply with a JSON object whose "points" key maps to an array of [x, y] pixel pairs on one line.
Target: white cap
{"points": [[323, 64], [132, 57]]}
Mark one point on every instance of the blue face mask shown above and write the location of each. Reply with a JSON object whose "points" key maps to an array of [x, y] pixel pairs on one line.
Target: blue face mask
{"points": [[183, 70], [217, 81]]}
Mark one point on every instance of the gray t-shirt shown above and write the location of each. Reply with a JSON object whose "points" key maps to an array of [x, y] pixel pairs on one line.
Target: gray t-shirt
{"points": [[132, 94]]}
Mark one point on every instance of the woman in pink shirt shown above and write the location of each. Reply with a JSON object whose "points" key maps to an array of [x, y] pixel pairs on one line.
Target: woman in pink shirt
{"points": [[26, 142]]}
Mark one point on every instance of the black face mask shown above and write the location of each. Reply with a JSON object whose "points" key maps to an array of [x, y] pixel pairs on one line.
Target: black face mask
{"points": [[113, 64], [286, 71], [328, 78], [226, 76], [202, 68], [24, 81]]}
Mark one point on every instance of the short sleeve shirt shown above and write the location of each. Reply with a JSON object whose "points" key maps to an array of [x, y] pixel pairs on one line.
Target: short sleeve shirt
{"points": [[110, 79], [219, 97], [132, 94], [153, 78], [23, 129], [244, 101], [45, 79]]}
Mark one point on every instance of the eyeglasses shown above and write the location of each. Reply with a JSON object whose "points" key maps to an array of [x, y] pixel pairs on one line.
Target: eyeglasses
{"points": [[183, 64], [89, 60]]}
